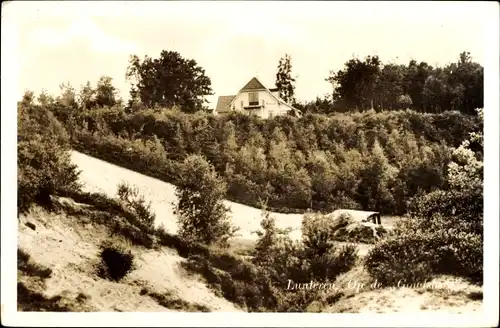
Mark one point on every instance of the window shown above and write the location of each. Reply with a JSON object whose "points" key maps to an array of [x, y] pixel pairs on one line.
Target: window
{"points": [[234, 106], [242, 104], [253, 98], [263, 103], [270, 114]]}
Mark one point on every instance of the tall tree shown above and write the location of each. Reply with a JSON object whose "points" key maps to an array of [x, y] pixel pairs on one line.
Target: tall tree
{"points": [[355, 86], [68, 95], [86, 97], [415, 76], [105, 93], [170, 80], [284, 80], [389, 86], [437, 93], [466, 79]]}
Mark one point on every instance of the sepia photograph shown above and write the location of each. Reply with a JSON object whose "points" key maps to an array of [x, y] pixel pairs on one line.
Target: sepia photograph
{"points": [[250, 163]]}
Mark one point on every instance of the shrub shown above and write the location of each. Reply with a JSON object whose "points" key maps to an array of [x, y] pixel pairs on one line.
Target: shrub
{"points": [[445, 233], [414, 254], [318, 230], [43, 170], [460, 206], [116, 263], [277, 253], [201, 213], [28, 300], [137, 204], [44, 166], [399, 259], [172, 301]]}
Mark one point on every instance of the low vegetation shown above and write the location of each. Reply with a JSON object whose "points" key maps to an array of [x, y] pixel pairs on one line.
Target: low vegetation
{"points": [[171, 301], [28, 267], [117, 261], [136, 204]]}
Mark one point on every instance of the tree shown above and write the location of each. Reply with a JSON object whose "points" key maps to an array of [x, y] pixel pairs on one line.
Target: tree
{"points": [[28, 98], [466, 79], [356, 84], [465, 172], [373, 191], [284, 80], [45, 99], [389, 86], [168, 81], [414, 80], [437, 92], [200, 209], [86, 97], [105, 93], [68, 95]]}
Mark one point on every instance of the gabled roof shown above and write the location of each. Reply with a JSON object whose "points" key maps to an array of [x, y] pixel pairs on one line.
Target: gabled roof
{"points": [[253, 84], [223, 103]]}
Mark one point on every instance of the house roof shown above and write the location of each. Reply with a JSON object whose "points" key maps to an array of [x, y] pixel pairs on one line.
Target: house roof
{"points": [[355, 214], [223, 103], [253, 84]]}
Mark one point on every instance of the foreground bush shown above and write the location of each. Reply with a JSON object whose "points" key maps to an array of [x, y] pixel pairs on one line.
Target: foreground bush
{"points": [[44, 164], [260, 284], [117, 262], [201, 213], [415, 254], [137, 204]]}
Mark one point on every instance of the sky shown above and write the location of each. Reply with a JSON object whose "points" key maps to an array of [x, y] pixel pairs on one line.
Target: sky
{"points": [[78, 42]]}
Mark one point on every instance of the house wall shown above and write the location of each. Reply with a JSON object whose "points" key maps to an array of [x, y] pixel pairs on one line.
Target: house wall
{"points": [[271, 105]]}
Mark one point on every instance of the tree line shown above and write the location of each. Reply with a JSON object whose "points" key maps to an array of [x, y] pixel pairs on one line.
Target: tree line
{"points": [[172, 80]]}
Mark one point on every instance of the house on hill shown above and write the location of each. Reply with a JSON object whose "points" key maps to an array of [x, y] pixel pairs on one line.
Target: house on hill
{"points": [[255, 99]]}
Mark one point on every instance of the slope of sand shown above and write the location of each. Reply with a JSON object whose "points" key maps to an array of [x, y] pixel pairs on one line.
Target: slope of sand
{"points": [[443, 294], [70, 248], [101, 176]]}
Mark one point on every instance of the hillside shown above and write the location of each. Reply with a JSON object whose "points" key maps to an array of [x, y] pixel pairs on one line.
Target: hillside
{"points": [[101, 176], [68, 246]]}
